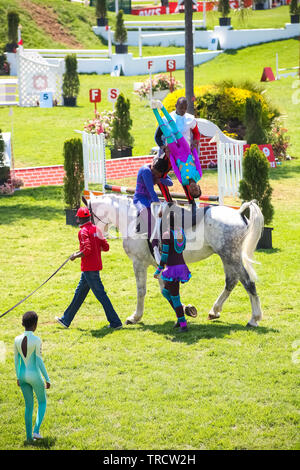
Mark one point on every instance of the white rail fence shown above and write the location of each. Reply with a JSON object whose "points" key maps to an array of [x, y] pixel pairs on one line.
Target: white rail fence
{"points": [[288, 74], [9, 92], [82, 53], [230, 172], [94, 159]]}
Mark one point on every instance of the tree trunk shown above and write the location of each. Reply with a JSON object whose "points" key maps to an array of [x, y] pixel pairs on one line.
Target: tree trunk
{"points": [[189, 57]]}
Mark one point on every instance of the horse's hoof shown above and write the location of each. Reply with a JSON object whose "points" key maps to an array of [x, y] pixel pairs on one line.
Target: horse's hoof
{"points": [[250, 325], [128, 322], [213, 316], [190, 310]]}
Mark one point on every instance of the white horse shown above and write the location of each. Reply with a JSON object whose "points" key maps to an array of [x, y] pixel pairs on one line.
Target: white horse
{"points": [[219, 229]]}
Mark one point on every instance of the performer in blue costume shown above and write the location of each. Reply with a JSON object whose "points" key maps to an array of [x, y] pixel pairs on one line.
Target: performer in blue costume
{"points": [[145, 195], [30, 367]]}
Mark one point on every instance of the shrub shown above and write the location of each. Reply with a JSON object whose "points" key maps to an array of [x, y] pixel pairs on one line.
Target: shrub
{"points": [[101, 124], [224, 7], [74, 175], [13, 23], [101, 8], [224, 104], [71, 82], [280, 141], [120, 36], [122, 124], [294, 7], [255, 132], [255, 183]]}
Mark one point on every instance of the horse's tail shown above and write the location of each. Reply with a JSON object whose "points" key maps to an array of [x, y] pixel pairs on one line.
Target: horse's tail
{"points": [[253, 234]]}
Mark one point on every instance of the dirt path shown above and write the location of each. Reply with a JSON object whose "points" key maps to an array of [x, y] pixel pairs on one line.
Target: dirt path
{"points": [[47, 19]]}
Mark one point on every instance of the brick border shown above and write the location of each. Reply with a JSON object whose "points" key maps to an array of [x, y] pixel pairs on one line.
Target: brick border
{"points": [[116, 168]]}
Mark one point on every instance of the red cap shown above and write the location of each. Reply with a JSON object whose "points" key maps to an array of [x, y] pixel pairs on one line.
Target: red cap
{"points": [[83, 212]]}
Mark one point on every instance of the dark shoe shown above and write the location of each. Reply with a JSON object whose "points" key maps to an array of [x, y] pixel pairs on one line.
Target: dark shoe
{"points": [[183, 329], [61, 322], [177, 325], [115, 327]]}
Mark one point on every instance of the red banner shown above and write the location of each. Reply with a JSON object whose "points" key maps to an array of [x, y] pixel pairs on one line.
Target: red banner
{"points": [[267, 149]]}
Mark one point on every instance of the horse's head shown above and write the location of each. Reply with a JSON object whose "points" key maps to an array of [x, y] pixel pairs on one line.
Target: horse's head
{"points": [[111, 210]]}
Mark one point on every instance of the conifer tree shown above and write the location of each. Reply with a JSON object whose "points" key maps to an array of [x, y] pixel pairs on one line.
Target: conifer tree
{"points": [[122, 124], [74, 175], [255, 183]]}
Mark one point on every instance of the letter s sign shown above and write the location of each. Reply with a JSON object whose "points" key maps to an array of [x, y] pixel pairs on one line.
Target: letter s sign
{"points": [[171, 65], [113, 94]]}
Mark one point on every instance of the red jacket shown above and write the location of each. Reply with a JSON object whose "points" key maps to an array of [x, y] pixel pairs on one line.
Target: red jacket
{"points": [[91, 246]]}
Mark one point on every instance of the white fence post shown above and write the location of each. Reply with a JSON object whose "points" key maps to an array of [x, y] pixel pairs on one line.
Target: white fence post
{"points": [[94, 166], [230, 170]]}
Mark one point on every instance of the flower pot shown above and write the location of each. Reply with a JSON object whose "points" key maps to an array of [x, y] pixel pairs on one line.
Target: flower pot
{"points": [[265, 241], [160, 94], [120, 153], [102, 21], [71, 217], [70, 101], [295, 19], [121, 49], [225, 21]]}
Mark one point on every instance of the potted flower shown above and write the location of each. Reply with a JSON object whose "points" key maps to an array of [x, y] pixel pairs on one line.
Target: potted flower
{"points": [[122, 141], [295, 11], [101, 124], [101, 13], [162, 84], [73, 179], [120, 35], [12, 23], [224, 9], [255, 185], [71, 82]]}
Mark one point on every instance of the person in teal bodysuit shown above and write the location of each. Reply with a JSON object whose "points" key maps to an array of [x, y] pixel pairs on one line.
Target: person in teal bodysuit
{"points": [[30, 367]]}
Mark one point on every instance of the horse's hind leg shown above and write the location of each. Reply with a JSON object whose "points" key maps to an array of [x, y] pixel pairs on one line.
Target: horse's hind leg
{"points": [[254, 299], [140, 271], [230, 283]]}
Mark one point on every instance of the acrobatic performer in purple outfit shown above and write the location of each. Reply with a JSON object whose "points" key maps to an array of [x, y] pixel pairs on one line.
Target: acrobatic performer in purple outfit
{"points": [[173, 270], [185, 162]]}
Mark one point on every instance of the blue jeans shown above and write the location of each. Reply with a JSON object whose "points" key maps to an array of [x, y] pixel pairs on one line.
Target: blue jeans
{"points": [[91, 280]]}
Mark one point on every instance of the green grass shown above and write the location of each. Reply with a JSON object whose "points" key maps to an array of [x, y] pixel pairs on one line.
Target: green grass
{"points": [[49, 128], [220, 386]]}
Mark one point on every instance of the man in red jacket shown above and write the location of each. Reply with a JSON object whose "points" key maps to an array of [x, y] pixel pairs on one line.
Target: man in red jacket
{"points": [[91, 243]]}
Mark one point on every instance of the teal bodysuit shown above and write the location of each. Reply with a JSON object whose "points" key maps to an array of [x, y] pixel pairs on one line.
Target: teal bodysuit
{"points": [[29, 369]]}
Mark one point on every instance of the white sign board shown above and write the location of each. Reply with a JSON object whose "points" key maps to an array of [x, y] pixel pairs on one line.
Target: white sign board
{"points": [[113, 94], [46, 99]]}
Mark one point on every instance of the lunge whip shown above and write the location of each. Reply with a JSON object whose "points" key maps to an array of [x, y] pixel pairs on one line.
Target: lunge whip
{"points": [[25, 298]]}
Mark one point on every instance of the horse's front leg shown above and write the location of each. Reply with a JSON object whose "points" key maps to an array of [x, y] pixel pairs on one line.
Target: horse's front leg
{"points": [[140, 271], [231, 282]]}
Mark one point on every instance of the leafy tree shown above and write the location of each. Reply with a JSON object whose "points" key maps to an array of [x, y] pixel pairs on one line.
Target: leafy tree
{"points": [[294, 7], [255, 183], [122, 124], [74, 175]]}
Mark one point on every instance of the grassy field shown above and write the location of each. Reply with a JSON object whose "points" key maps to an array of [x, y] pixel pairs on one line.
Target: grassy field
{"points": [[42, 143], [77, 21], [221, 385]]}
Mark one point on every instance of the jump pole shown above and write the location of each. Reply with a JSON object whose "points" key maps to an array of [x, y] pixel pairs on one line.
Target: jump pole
{"points": [[126, 190]]}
